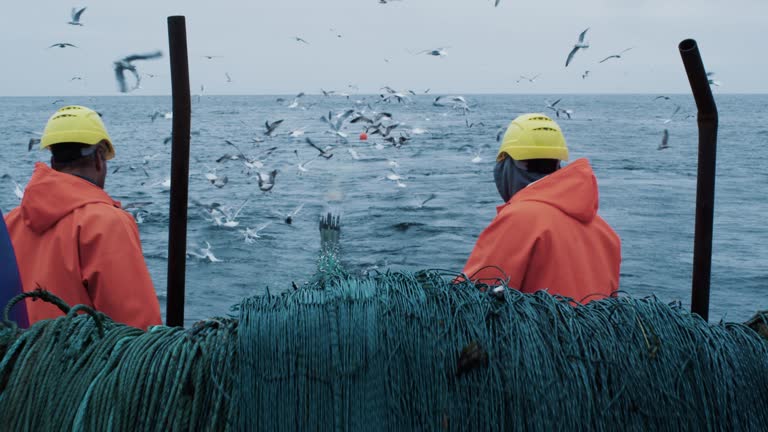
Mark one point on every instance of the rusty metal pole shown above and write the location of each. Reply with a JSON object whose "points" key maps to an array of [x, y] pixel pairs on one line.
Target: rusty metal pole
{"points": [[182, 118], [705, 178]]}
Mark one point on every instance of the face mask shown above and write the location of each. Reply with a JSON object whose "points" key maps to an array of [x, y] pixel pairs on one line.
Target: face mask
{"points": [[510, 179]]}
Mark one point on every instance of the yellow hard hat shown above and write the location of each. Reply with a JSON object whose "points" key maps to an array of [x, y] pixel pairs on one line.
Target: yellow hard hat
{"points": [[76, 124], [533, 136]]}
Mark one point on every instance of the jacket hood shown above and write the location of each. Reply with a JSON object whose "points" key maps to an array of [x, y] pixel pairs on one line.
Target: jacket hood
{"points": [[572, 189], [52, 195]]}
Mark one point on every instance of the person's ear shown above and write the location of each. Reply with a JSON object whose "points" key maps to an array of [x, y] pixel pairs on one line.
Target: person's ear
{"points": [[99, 159]]}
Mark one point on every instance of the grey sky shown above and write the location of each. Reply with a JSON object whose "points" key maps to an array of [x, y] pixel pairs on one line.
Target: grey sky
{"points": [[489, 47]]}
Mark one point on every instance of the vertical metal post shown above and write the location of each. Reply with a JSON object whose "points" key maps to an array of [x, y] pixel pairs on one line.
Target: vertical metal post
{"points": [[705, 179], [182, 117]]}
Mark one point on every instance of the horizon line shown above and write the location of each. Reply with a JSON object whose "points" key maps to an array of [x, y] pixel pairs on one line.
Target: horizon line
{"points": [[758, 93]]}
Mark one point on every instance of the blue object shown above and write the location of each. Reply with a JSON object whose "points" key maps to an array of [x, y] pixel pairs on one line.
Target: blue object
{"points": [[10, 281]]}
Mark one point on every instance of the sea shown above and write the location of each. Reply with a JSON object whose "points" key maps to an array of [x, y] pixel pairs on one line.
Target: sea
{"points": [[647, 195]]}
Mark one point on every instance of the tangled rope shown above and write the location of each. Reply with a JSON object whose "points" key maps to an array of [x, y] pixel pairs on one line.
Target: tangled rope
{"points": [[85, 372], [395, 351]]}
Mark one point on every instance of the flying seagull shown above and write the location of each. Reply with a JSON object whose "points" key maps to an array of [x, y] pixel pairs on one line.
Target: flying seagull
{"points": [[439, 52], [298, 39], [616, 56], [126, 64], [579, 45], [532, 79], [229, 78], [553, 105], [267, 180], [211, 57], [662, 97], [323, 152], [271, 127], [251, 234], [585, 74], [301, 165], [63, 45], [664, 141], [289, 216], [711, 79], [76, 17]]}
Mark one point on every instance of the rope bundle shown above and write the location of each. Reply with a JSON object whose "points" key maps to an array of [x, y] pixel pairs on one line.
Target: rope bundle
{"points": [[395, 351]]}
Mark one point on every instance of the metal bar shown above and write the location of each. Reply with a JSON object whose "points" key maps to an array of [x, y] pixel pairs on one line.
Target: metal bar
{"points": [[182, 117], [705, 180]]}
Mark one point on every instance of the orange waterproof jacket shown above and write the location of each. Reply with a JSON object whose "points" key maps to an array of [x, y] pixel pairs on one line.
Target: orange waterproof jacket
{"points": [[75, 241], [549, 236]]}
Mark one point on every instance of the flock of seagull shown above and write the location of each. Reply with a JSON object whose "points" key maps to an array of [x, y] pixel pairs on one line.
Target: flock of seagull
{"points": [[371, 121]]}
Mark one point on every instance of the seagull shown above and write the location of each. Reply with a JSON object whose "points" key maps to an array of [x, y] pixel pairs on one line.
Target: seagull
{"points": [[616, 56], [270, 127], [252, 234], [474, 151], [33, 141], [352, 152], [250, 163], [323, 152], [457, 102], [567, 112], [211, 57], [76, 78], [289, 217], [18, 191], [296, 132], [205, 254], [532, 79], [302, 165], [336, 125], [395, 177], [267, 180], [439, 52], [585, 74], [711, 79], [662, 97], [126, 64], [298, 39], [664, 141], [677, 109], [229, 217], [229, 78], [471, 125], [553, 105], [76, 17], [216, 180], [425, 201], [295, 102], [62, 45], [579, 45]]}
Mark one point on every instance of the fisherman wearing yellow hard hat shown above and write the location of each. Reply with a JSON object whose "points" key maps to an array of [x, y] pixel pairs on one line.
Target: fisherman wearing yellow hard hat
{"points": [[70, 237], [547, 235]]}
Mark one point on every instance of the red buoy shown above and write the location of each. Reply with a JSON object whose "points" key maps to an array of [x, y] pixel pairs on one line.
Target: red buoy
{"points": [[363, 136]]}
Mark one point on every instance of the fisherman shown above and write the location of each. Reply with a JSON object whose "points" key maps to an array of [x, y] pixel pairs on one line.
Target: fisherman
{"points": [[71, 238], [547, 235]]}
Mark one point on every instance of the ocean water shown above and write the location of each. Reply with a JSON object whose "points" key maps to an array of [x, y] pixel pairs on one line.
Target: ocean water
{"points": [[647, 195]]}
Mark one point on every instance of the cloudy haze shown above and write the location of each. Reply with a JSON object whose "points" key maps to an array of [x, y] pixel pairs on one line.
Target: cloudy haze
{"points": [[488, 48]]}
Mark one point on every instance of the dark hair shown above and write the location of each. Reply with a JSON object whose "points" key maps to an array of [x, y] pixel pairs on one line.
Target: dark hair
{"points": [[542, 166], [69, 155]]}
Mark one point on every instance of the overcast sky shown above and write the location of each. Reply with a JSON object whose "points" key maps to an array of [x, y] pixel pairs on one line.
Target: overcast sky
{"points": [[488, 48]]}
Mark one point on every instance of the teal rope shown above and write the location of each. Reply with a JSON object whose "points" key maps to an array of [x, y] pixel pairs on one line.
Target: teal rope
{"points": [[383, 353]]}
